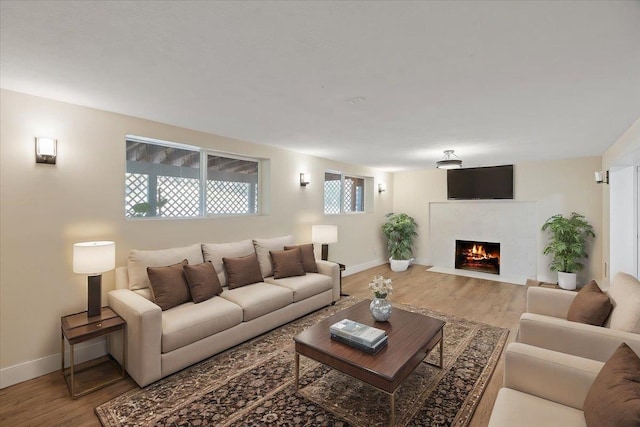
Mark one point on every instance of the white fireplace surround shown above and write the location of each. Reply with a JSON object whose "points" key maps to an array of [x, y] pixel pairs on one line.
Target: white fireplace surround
{"points": [[510, 223]]}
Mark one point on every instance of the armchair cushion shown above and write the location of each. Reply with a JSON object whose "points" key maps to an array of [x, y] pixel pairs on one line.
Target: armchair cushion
{"points": [[624, 292], [614, 397], [590, 306]]}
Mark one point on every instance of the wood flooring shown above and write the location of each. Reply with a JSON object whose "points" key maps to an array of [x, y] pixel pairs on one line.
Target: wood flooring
{"points": [[45, 401]]}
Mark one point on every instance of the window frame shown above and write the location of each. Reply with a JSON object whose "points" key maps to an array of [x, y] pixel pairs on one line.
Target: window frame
{"points": [[343, 176], [202, 177]]}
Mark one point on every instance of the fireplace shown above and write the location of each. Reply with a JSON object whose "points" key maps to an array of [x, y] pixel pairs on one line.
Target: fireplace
{"points": [[478, 256]]}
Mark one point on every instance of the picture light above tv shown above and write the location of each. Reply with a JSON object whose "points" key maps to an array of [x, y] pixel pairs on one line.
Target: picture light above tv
{"points": [[484, 183]]}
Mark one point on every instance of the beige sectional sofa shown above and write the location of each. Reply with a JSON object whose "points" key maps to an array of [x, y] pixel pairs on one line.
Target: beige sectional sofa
{"points": [[160, 342]]}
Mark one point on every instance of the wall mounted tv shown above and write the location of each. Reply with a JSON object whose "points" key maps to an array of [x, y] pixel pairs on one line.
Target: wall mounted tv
{"points": [[494, 182]]}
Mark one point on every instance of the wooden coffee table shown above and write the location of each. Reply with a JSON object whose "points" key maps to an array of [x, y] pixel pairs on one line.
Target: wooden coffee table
{"points": [[411, 337]]}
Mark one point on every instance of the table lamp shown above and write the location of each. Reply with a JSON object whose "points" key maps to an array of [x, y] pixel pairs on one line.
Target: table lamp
{"points": [[324, 234], [93, 259]]}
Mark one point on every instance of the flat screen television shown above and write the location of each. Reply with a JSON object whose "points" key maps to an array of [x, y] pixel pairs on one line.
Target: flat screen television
{"points": [[493, 182]]}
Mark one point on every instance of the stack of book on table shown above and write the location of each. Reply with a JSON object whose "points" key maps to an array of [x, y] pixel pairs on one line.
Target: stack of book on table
{"points": [[358, 335]]}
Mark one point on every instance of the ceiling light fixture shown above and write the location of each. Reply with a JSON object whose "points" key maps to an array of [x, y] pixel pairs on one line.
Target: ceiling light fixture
{"points": [[449, 163]]}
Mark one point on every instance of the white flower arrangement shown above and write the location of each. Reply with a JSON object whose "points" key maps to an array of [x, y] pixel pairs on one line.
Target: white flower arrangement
{"points": [[380, 286]]}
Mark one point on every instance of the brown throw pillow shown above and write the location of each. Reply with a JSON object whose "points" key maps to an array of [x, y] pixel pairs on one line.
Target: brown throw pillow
{"points": [[169, 287], [287, 263], [590, 306], [308, 257], [242, 271], [614, 396], [203, 281]]}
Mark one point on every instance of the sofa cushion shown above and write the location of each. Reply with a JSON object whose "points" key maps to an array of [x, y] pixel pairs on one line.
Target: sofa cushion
{"points": [[203, 281], [305, 286], [308, 257], [590, 306], [139, 260], [624, 292], [188, 323], [614, 396], [515, 408], [258, 299], [242, 271], [168, 285], [264, 246], [287, 263], [214, 252]]}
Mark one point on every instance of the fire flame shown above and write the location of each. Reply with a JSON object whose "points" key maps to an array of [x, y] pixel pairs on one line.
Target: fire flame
{"points": [[478, 252]]}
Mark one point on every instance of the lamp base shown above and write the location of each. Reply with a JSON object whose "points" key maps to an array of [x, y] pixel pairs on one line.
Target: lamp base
{"points": [[325, 251], [94, 298]]}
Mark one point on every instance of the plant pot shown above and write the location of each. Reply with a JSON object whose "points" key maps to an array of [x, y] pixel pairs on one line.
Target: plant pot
{"points": [[567, 280], [399, 264]]}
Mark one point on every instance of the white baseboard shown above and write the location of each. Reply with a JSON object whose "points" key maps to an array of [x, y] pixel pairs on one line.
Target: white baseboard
{"points": [[35, 368], [361, 267]]}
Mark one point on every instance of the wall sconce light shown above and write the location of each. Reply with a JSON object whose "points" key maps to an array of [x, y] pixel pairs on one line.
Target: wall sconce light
{"points": [[304, 179], [382, 188], [46, 150], [602, 177]]}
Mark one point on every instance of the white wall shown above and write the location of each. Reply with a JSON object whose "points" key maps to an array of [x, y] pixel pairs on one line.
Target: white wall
{"points": [[559, 186], [624, 223], [624, 153], [44, 209]]}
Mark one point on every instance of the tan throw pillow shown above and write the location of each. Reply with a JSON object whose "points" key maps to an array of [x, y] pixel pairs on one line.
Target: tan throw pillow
{"points": [[169, 287], [590, 306], [308, 257], [614, 396], [287, 263], [203, 281], [139, 260], [214, 252], [242, 271]]}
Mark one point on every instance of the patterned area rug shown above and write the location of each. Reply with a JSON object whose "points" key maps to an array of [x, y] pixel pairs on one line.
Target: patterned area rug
{"points": [[253, 384]]}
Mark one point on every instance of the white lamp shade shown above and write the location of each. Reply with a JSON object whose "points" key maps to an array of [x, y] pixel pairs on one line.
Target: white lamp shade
{"points": [[324, 233], [93, 258]]}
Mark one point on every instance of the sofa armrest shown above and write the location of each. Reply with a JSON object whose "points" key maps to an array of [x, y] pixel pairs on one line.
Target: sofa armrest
{"points": [[578, 339], [550, 375], [549, 302], [144, 334], [332, 270]]}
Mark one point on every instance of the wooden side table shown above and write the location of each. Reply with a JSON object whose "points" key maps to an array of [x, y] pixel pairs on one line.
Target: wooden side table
{"points": [[79, 327], [342, 268]]}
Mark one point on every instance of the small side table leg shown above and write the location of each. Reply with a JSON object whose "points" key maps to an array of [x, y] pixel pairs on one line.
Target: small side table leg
{"points": [[441, 351], [62, 351], [297, 358], [73, 384]]}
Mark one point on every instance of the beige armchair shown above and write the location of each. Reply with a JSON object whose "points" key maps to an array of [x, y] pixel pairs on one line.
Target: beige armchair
{"points": [[543, 388], [544, 324]]}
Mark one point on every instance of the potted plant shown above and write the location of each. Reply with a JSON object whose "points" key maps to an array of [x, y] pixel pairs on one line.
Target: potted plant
{"points": [[567, 246], [400, 231]]}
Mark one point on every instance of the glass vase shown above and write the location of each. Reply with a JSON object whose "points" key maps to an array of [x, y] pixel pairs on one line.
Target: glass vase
{"points": [[380, 309]]}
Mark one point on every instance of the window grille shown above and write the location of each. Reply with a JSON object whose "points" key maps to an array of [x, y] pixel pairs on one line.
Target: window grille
{"points": [[165, 180], [342, 193]]}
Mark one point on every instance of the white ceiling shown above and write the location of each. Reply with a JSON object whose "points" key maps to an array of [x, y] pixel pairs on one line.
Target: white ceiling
{"points": [[498, 82]]}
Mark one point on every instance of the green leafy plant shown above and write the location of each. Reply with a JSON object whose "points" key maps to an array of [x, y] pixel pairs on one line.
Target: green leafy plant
{"points": [[568, 241], [400, 230]]}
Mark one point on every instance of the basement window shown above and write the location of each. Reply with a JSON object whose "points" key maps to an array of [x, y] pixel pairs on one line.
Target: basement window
{"points": [[170, 180], [343, 193]]}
